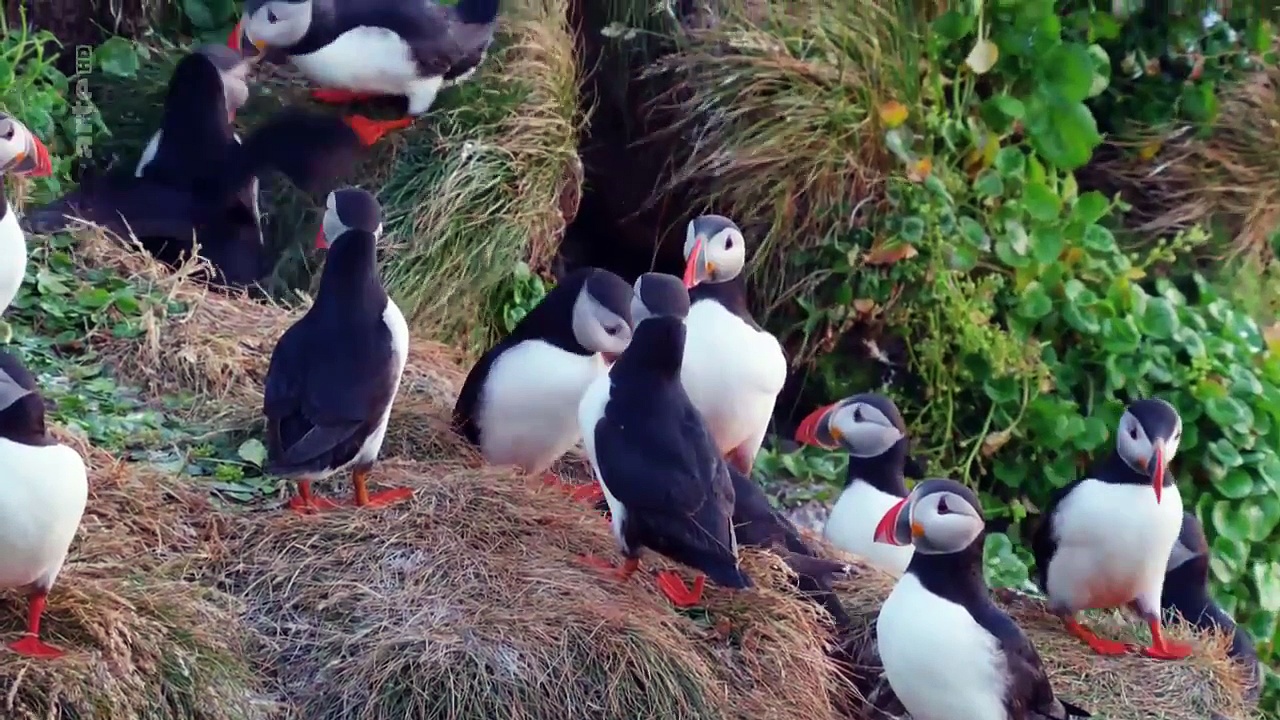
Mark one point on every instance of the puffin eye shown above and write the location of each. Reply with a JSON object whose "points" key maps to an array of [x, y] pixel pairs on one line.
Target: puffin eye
{"points": [[1133, 431], [942, 506], [612, 330], [857, 414], [728, 244], [271, 17], [8, 133]]}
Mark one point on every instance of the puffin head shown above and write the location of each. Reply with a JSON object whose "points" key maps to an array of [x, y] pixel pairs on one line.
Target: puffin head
{"points": [[658, 295], [270, 24], [21, 407], [1147, 439], [714, 250], [866, 425], [234, 70], [938, 517], [1191, 548], [602, 314], [349, 209], [21, 152]]}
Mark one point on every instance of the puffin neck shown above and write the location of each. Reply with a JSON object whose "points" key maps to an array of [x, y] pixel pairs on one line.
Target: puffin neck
{"points": [[730, 293], [552, 319], [657, 348], [883, 472], [23, 422], [350, 277], [954, 576], [1115, 470]]}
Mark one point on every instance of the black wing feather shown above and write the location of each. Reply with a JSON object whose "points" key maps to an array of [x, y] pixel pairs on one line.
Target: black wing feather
{"points": [[467, 408], [1030, 694]]}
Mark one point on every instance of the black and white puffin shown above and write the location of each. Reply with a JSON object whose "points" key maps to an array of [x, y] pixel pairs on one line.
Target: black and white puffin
{"points": [[1105, 539], [948, 651], [1186, 594], [733, 369], [870, 428], [358, 49], [519, 403], [43, 492], [334, 374], [21, 153], [666, 485]]}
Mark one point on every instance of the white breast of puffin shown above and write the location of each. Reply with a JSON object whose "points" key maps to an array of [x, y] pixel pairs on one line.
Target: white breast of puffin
{"points": [[851, 526], [590, 412], [731, 372], [399, 329], [13, 256], [939, 661], [365, 59], [1113, 542], [42, 496], [528, 412]]}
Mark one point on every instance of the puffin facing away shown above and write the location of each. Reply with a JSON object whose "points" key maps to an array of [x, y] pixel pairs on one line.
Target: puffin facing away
{"points": [[666, 486], [870, 428], [1105, 539], [43, 492], [948, 651], [358, 49], [1186, 593], [733, 370], [21, 153], [519, 404], [334, 374]]}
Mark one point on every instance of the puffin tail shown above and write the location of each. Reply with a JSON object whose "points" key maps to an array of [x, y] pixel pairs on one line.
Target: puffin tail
{"points": [[477, 12], [1074, 711], [727, 576]]}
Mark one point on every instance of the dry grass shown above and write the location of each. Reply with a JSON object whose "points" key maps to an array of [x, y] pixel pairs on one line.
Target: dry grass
{"points": [[489, 178], [468, 603], [1116, 688], [141, 642], [1230, 179], [214, 347], [779, 117]]}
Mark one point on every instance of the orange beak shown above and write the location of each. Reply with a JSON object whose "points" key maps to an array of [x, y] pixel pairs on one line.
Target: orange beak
{"points": [[807, 433], [691, 267], [233, 42], [320, 242], [1157, 471], [44, 166], [884, 530]]}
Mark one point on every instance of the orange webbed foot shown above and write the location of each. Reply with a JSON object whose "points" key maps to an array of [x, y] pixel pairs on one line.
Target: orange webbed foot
{"points": [[32, 647], [1168, 651], [339, 97], [371, 131], [307, 505], [677, 592], [384, 498], [1095, 643]]}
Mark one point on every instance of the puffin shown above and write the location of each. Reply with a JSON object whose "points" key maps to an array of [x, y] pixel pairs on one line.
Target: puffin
{"points": [[519, 403], [43, 492], [948, 651], [758, 524], [666, 486], [1104, 539], [334, 373], [21, 153], [1186, 595], [359, 49], [870, 428], [733, 369]]}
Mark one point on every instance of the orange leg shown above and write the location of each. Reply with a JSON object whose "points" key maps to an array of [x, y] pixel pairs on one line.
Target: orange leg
{"points": [[623, 573], [363, 498], [304, 502], [587, 494], [30, 644], [677, 592], [340, 97], [1097, 644], [371, 131], [1162, 649]]}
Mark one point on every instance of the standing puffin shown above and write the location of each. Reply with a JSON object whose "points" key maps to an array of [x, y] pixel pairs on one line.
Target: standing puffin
{"points": [[870, 429], [1105, 539], [21, 153], [334, 374], [43, 492], [519, 404], [733, 369], [948, 651], [358, 49], [666, 486], [1186, 594]]}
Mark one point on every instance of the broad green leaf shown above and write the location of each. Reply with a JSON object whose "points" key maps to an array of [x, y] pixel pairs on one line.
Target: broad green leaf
{"points": [[1160, 319], [974, 233], [953, 25], [1035, 302], [116, 56], [252, 451], [1047, 244], [1226, 454], [989, 184], [1227, 557], [1225, 411], [982, 57], [1064, 133], [1041, 202], [1011, 162], [1066, 71], [1098, 238], [1266, 580], [1236, 485], [1228, 523]]}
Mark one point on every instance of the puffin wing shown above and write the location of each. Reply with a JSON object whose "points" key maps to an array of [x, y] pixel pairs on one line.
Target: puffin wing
{"points": [[1029, 695], [196, 133], [316, 400], [665, 471], [315, 151], [1043, 543], [467, 408]]}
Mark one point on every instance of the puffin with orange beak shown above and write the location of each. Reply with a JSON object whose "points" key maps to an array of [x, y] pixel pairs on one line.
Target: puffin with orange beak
{"points": [[21, 153], [870, 429], [519, 403], [948, 651], [1105, 539], [733, 369]]}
